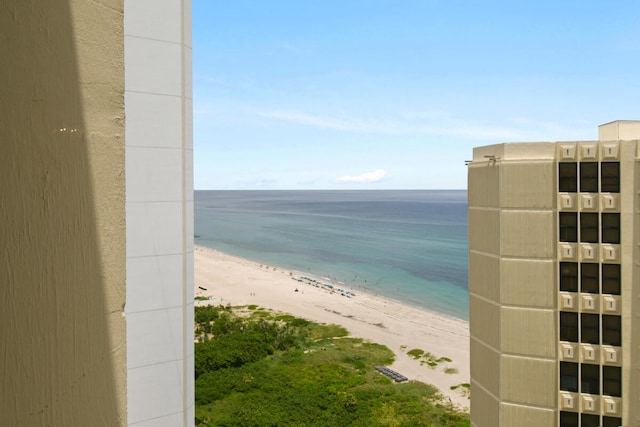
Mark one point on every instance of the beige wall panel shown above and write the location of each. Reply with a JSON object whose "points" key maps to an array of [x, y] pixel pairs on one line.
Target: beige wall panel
{"points": [[483, 186], [527, 282], [484, 321], [484, 276], [485, 153], [62, 215], [629, 205], [528, 185], [528, 381], [526, 234], [485, 362], [526, 416], [532, 151], [484, 230], [528, 331], [485, 409], [625, 130]]}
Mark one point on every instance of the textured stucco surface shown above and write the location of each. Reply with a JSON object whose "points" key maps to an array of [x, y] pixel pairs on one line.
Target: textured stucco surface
{"points": [[62, 218], [513, 278]]}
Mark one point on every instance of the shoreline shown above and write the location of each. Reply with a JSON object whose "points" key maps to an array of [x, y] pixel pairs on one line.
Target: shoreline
{"points": [[400, 326]]}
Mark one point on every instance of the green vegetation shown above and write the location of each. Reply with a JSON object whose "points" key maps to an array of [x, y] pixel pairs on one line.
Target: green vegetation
{"points": [[416, 353], [431, 360], [286, 371]]}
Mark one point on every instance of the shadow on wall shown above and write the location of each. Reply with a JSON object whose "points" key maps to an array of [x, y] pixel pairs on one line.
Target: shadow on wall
{"points": [[62, 263]]}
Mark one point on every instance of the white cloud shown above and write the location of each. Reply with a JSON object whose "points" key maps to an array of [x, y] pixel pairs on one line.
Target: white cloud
{"points": [[365, 178], [433, 122], [325, 122]]}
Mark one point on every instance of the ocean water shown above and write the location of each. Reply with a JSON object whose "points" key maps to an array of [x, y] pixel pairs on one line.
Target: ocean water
{"points": [[407, 245]]}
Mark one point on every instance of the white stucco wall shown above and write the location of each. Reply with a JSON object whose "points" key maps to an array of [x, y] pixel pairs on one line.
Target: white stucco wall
{"points": [[159, 212]]}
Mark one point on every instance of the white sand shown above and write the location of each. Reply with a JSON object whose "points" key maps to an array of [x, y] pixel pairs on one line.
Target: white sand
{"points": [[401, 327]]}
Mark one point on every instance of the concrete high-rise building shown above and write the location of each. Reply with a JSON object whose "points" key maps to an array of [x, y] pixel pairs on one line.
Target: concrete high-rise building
{"points": [[96, 213], [554, 285]]}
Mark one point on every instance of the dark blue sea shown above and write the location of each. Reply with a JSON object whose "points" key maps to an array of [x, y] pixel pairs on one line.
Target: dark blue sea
{"points": [[407, 245]]}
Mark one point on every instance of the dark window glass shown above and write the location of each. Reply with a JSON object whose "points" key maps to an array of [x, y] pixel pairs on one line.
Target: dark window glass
{"points": [[590, 379], [569, 276], [568, 227], [611, 422], [589, 278], [611, 279], [610, 177], [588, 420], [568, 177], [568, 419], [589, 177], [589, 328], [589, 227], [612, 381], [569, 376], [568, 326], [610, 228], [611, 330]]}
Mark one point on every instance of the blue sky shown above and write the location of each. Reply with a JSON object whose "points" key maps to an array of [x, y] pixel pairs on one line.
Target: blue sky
{"points": [[394, 94]]}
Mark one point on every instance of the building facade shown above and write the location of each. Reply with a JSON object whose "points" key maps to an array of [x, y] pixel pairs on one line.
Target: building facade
{"points": [[96, 213], [554, 316]]}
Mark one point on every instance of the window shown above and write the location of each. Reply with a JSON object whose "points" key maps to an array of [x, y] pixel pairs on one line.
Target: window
{"points": [[589, 227], [589, 328], [568, 227], [590, 379], [568, 326], [611, 330], [589, 177], [569, 376], [568, 419], [569, 276], [612, 381], [568, 177], [611, 228], [611, 422], [611, 279], [610, 177], [589, 278], [588, 420]]}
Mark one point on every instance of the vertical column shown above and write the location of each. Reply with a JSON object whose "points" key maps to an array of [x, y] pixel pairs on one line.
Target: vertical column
{"points": [[159, 153]]}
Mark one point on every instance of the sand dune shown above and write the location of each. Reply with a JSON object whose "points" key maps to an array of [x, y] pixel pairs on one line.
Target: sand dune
{"points": [[236, 281]]}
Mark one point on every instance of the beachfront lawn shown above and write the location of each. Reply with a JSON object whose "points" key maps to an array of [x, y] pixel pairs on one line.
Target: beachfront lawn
{"points": [[279, 370]]}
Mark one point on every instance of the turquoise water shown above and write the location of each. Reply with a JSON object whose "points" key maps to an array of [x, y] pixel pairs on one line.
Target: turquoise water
{"points": [[407, 245]]}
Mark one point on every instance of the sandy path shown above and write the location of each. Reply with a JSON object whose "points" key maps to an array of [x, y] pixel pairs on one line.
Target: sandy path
{"points": [[400, 327]]}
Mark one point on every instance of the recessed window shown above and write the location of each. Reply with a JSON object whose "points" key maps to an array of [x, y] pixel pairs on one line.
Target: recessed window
{"points": [[589, 278], [611, 279], [612, 381], [568, 419], [589, 328], [610, 177], [611, 330], [611, 422], [568, 326], [568, 227], [589, 177], [590, 379], [569, 276], [569, 376], [589, 227], [589, 420], [611, 228], [568, 177]]}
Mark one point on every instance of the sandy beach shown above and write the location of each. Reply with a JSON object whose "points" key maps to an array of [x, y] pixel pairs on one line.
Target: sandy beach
{"points": [[401, 327]]}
